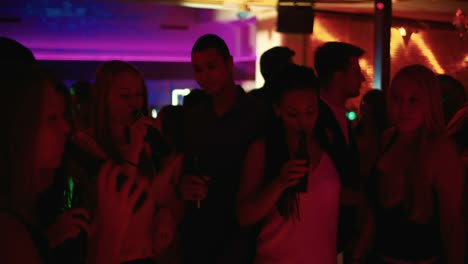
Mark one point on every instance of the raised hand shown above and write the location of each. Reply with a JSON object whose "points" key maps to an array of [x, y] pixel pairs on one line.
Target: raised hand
{"points": [[138, 131], [116, 199]]}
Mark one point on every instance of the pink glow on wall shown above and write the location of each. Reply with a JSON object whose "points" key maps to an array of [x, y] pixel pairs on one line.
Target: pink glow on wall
{"points": [[106, 56], [127, 31]]}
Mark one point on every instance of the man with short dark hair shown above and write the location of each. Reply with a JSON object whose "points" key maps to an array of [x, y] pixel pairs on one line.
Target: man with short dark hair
{"points": [[218, 133], [340, 76], [272, 62], [337, 65]]}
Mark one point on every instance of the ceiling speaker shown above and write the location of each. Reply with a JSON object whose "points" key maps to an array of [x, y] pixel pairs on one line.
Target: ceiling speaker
{"points": [[293, 18]]}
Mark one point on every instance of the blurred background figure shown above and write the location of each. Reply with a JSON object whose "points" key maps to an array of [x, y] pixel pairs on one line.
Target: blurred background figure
{"points": [[170, 121], [272, 62], [453, 95], [458, 130], [81, 103], [371, 124]]}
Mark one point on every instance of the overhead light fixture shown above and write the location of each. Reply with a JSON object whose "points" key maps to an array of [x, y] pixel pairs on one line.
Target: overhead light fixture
{"points": [[295, 16], [154, 113], [178, 94], [402, 31], [405, 33]]}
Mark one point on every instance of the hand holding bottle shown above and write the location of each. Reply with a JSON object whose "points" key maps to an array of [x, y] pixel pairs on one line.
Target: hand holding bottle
{"points": [[136, 138], [194, 183], [302, 153], [68, 225], [194, 188], [292, 172]]}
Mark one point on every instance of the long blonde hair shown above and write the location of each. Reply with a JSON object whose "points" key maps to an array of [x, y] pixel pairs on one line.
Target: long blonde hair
{"points": [[100, 116], [419, 198]]}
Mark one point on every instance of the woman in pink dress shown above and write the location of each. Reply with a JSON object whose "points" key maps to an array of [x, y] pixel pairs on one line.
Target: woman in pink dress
{"points": [[294, 198]]}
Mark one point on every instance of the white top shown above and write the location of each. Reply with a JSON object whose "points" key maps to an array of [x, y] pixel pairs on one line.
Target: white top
{"points": [[340, 115], [312, 238]]}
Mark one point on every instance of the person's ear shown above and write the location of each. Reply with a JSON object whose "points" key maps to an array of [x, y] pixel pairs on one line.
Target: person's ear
{"points": [[338, 76]]}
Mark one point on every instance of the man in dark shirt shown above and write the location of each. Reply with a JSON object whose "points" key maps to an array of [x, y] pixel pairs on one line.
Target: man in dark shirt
{"points": [[340, 76], [218, 133]]}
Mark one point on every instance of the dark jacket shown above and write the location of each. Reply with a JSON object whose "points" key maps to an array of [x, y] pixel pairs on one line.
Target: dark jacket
{"points": [[346, 160]]}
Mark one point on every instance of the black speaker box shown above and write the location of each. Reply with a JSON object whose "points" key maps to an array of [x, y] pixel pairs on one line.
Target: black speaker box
{"points": [[295, 19]]}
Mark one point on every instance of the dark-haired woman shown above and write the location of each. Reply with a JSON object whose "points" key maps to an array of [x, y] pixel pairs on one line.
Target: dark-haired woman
{"points": [[296, 226]]}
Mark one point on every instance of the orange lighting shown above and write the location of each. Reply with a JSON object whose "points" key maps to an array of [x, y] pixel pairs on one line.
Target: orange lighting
{"points": [[464, 63], [321, 33], [266, 38], [395, 41], [368, 69], [427, 52]]}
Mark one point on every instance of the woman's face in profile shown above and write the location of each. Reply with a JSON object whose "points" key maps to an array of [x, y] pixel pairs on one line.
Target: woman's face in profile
{"points": [[298, 110], [406, 104], [53, 130], [125, 95]]}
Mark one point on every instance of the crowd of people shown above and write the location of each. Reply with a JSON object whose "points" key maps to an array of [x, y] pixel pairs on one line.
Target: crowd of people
{"points": [[276, 175]]}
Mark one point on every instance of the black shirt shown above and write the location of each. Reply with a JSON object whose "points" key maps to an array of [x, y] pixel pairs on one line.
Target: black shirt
{"points": [[220, 143], [345, 157]]}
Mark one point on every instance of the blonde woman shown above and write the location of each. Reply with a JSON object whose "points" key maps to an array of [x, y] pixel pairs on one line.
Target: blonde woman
{"points": [[415, 190], [123, 132]]}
